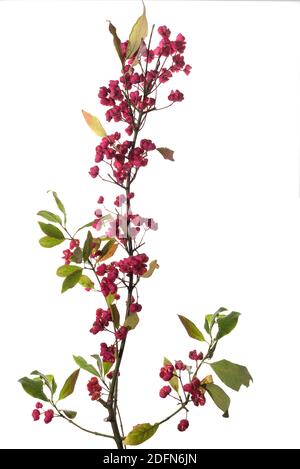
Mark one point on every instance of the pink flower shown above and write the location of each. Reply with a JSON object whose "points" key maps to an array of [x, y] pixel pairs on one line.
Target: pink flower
{"points": [[166, 372], [98, 213], [121, 333], [36, 414], [101, 199], [94, 171], [179, 365], [94, 388], [194, 355], [176, 96], [165, 391], [165, 75], [49, 414], [183, 425], [187, 69], [147, 145], [135, 308], [107, 352], [164, 31], [38, 405]]}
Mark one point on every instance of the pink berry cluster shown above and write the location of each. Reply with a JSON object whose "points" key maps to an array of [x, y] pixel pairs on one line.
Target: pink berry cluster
{"points": [[68, 253], [94, 389], [37, 412], [191, 391], [135, 93]]}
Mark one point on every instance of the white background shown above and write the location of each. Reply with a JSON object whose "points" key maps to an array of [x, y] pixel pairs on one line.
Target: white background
{"points": [[228, 213]]}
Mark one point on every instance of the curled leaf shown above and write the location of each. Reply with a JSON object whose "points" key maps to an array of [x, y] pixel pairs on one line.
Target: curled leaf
{"points": [[34, 388], [152, 266], [60, 205]]}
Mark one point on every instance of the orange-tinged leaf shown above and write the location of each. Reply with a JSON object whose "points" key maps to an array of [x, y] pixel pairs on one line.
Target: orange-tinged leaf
{"points": [[112, 249], [94, 124]]}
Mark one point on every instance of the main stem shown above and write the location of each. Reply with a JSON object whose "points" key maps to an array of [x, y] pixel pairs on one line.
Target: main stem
{"points": [[112, 400]]}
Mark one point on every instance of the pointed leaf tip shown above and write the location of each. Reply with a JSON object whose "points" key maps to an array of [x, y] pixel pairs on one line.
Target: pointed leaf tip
{"points": [[94, 124]]}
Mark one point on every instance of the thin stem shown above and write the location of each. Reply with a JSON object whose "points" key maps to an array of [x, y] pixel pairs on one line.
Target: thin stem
{"points": [[79, 426]]}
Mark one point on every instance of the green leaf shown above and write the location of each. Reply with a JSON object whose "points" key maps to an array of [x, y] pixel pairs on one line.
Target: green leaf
{"points": [[51, 230], [131, 321], [82, 363], [115, 315], [166, 153], [48, 242], [86, 282], [66, 270], [71, 280], [99, 363], [140, 433], [106, 367], [77, 255], [227, 324], [87, 247], [152, 266], [219, 397], [34, 388], [69, 385], [87, 225], [52, 383], [174, 382], [116, 39], [210, 319], [110, 299], [60, 205], [70, 414], [233, 375], [191, 329], [50, 216], [48, 380], [138, 33]]}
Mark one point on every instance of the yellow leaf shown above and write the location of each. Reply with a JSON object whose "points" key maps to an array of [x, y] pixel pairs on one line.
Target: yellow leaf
{"points": [[94, 124], [138, 33], [152, 266], [207, 380]]}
